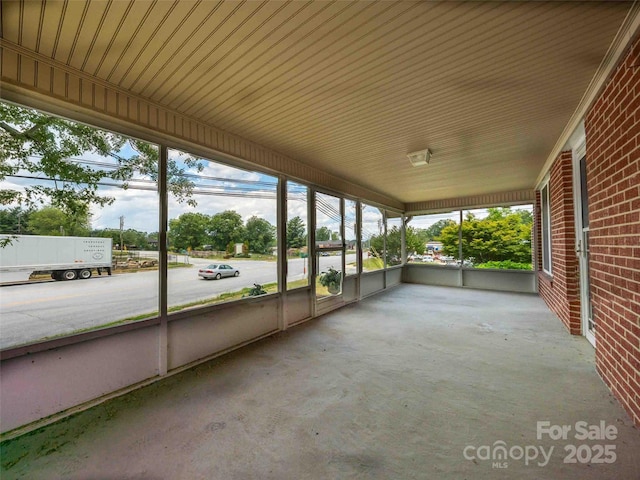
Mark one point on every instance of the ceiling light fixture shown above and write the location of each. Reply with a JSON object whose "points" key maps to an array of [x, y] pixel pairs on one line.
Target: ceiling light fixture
{"points": [[420, 158]]}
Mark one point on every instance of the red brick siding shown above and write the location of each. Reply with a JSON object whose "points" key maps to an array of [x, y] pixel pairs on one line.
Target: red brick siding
{"points": [[613, 182], [561, 292]]}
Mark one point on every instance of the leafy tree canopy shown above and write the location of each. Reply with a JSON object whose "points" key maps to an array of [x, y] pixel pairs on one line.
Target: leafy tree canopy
{"points": [[393, 252], [260, 235], [38, 145], [130, 237], [415, 243], [224, 228], [189, 231], [14, 221], [432, 233], [323, 234], [296, 233], [502, 235], [53, 221]]}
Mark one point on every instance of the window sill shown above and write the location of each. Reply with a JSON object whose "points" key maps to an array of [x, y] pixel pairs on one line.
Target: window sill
{"points": [[545, 277]]}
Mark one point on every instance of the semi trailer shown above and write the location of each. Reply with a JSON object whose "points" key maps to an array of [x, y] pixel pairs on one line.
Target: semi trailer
{"points": [[65, 258]]}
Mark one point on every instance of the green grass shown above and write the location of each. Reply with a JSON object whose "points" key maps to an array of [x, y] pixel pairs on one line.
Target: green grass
{"points": [[223, 297], [505, 265], [372, 264], [322, 291], [254, 256], [298, 283]]}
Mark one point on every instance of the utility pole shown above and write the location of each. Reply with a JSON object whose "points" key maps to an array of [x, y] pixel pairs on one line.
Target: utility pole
{"points": [[121, 229]]}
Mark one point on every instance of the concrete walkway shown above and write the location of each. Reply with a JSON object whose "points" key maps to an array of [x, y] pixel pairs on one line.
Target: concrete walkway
{"points": [[418, 382]]}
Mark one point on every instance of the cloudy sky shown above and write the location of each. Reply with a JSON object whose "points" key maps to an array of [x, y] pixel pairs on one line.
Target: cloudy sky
{"points": [[217, 188], [220, 187], [140, 207]]}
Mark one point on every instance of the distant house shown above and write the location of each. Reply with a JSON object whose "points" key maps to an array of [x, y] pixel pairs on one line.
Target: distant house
{"points": [[329, 244]]}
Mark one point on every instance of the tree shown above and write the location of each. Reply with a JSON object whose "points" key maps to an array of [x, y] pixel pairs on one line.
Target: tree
{"points": [[53, 221], [503, 235], [14, 221], [45, 147], [414, 242], [189, 231], [323, 234], [224, 228], [296, 233], [393, 252], [130, 237], [260, 235], [376, 246], [432, 232], [136, 237]]}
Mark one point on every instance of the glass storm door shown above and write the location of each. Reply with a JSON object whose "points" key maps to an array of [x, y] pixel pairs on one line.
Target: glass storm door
{"points": [[329, 247], [582, 249]]}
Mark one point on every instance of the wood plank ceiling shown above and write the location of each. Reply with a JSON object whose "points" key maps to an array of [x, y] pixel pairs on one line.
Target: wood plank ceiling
{"points": [[349, 87]]}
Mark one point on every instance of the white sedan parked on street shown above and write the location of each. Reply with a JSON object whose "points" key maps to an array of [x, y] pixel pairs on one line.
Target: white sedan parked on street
{"points": [[217, 271]]}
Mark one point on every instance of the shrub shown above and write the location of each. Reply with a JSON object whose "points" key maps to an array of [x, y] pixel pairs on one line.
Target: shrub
{"points": [[257, 290], [332, 279], [505, 265]]}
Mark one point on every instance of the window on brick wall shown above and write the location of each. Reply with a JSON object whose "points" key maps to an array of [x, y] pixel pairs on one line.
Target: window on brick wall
{"points": [[545, 208]]}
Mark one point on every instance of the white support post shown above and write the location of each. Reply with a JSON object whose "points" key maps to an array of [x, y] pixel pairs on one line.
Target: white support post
{"points": [[403, 239], [163, 341], [311, 215], [460, 273], [359, 248], [282, 251], [342, 237], [384, 248]]}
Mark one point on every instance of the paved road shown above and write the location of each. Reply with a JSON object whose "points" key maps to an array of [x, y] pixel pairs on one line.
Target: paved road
{"points": [[32, 312]]}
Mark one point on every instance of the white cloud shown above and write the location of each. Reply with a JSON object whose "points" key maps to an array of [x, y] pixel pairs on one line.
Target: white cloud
{"points": [[140, 207], [425, 221], [371, 218]]}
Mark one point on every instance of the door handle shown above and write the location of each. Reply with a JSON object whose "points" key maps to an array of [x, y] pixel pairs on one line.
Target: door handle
{"points": [[579, 249]]}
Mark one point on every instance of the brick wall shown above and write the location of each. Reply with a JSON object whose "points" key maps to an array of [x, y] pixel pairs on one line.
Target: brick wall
{"points": [[613, 182], [561, 290]]}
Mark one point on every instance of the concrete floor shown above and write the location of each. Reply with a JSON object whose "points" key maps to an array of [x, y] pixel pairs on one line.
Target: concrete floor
{"points": [[398, 386]]}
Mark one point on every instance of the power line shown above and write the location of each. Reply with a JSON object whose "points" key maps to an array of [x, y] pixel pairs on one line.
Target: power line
{"points": [[115, 166], [247, 193]]}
